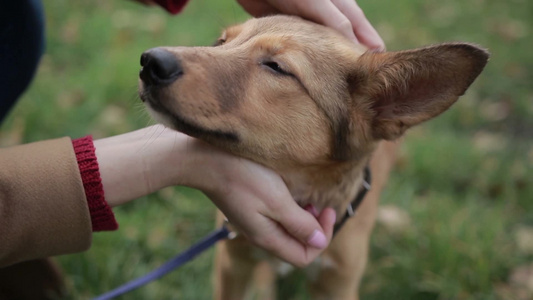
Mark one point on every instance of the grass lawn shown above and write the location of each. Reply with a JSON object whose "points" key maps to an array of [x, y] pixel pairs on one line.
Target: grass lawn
{"points": [[464, 181]]}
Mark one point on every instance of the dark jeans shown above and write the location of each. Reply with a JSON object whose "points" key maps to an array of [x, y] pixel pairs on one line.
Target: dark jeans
{"points": [[21, 47]]}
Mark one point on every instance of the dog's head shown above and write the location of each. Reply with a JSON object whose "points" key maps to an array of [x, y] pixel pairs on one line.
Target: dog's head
{"points": [[286, 92]]}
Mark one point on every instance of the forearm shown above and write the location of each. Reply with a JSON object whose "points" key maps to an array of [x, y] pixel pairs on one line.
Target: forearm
{"points": [[253, 198], [138, 163]]}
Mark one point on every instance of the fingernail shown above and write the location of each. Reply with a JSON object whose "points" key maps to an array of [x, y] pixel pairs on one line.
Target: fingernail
{"points": [[317, 240]]}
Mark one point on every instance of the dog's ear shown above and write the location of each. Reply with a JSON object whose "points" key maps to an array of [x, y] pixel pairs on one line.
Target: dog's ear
{"points": [[408, 87]]}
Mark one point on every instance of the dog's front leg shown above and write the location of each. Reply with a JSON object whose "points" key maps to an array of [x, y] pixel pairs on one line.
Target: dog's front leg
{"points": [[240, 273], [232, 273], [342, 265]]}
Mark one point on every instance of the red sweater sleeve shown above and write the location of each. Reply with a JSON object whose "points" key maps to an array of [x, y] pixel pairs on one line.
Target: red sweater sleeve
{"points": [[172, 6], [102, 216]]}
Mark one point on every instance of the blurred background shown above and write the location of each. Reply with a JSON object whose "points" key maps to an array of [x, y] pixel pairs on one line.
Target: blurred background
{"points": [[456, 220]]}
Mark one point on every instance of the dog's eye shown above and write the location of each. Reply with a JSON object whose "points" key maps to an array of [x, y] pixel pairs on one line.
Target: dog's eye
{"points": [[219, 42], [274, 66]]}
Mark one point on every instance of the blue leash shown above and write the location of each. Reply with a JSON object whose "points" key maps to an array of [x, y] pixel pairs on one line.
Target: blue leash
{"points": [[177, 261]]}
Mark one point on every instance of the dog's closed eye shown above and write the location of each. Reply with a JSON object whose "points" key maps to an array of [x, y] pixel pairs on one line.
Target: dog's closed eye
{"points": [[274, 66]]}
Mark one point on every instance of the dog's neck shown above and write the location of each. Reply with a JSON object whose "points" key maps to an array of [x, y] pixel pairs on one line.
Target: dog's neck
{"points": [[335, 185]]}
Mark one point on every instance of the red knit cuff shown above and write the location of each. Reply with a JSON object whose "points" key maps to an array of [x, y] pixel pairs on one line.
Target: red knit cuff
{"points": [[102, 216], [172, 6]]}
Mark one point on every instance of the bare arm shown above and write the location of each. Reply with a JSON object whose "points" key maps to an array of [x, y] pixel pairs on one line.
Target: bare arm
{"points": [[253, 198]]}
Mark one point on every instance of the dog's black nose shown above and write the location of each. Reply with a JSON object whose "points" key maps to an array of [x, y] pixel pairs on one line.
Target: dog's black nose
{"points": [[159, 67]]}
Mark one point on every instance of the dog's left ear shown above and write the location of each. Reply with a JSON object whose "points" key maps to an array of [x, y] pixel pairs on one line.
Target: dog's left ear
{"points": [[408, 87]]}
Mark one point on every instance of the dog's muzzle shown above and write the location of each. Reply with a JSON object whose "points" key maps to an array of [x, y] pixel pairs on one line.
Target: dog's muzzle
{"points": [[159, 67]]}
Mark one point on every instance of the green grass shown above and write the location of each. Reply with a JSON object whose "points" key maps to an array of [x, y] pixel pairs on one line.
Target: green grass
{"points": [[465, 179]]}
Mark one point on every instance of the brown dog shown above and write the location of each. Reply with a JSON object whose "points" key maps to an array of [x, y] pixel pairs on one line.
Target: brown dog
{"points": [[308, 103]]}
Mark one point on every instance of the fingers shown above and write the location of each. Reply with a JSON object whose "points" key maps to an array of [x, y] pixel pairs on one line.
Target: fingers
{"points": [[348, 18], [326, 13], [275, 238], [327, 219], [365, 32], [283, 245], [302, 224], [343, 15]]}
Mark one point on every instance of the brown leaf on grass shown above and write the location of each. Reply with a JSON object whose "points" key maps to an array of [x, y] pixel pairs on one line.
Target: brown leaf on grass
{"points": [[485, 141], [155, 24], [521, 281], [515, 70], [495, 111], [508, 292], [156, 237], [112, 119], [443, 15], [68, 99], [131, 232], [509, 29], [394, 219], [523, 236], [124, 19], [168, 194], [519, 169]]}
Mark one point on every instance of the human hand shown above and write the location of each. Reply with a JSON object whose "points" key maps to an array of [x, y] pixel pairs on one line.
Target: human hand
{"points": [[344, 15], [253, 198], [257, 202]]}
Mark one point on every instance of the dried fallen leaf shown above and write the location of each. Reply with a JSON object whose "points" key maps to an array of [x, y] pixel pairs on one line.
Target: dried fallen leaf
{"points": [[495, 111], [168, 194], [113, 117], [124, 19], [508, 292], [485, 141], [68, 99], [154, 23], [394, 219], [524, 239], [522, 279], [510, 30]]}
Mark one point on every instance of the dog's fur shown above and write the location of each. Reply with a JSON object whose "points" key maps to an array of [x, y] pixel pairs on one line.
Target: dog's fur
{"points": [[316, 108]]}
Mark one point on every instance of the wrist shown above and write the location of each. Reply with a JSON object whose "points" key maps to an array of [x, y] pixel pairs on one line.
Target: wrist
{"points": [[141, 162], [132, 165], [102, 217], [169, 159], [195, 164]]}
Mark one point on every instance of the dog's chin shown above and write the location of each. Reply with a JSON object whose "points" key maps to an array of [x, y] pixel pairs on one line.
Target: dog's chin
{"points": [[159, 117], [179, 123]]}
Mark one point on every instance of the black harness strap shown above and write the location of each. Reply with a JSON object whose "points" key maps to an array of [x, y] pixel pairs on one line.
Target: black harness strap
{"points": [[352, 207]]}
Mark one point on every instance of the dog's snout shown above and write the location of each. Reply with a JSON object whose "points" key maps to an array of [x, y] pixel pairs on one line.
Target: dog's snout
{"points": [[159, 67]]}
